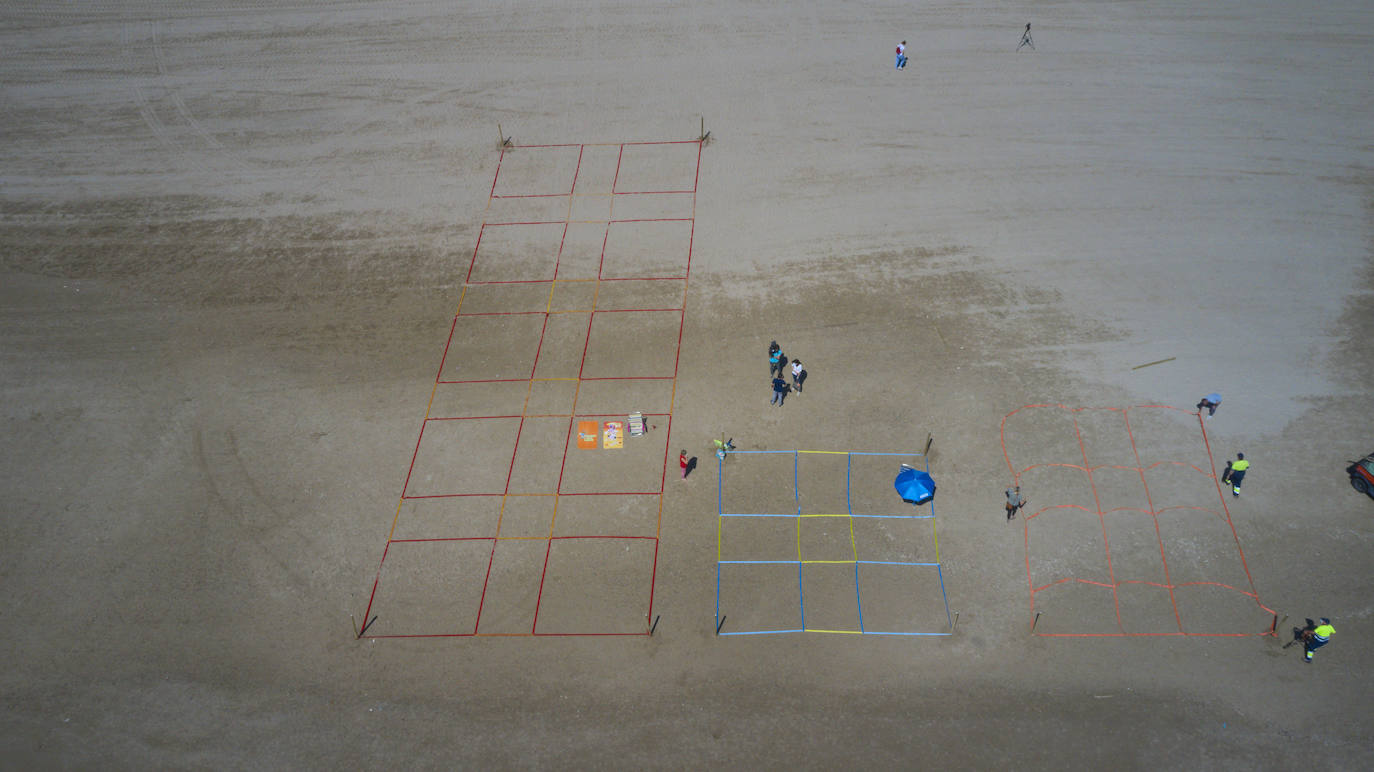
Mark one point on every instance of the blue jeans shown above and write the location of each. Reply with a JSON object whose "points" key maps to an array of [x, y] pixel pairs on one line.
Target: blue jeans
{"points": [[901, 61]]}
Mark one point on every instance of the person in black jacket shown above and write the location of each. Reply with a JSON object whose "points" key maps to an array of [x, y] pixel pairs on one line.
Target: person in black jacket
{"points": [[779, 392]]}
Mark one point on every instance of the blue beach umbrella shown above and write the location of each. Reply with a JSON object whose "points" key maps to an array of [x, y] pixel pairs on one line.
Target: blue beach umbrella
{"points": [[914, 486]]}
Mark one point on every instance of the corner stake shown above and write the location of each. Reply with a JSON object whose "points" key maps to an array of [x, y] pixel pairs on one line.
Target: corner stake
{"points": [[363, 631]]}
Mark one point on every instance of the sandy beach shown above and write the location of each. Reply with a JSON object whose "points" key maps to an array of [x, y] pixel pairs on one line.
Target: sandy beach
{"points": [[289, 337]]}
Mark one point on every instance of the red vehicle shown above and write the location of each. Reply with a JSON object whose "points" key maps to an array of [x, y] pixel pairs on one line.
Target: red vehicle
{"points": [[1362, 475]]}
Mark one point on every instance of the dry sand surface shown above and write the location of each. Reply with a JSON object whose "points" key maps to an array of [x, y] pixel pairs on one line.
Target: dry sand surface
{"points": [[233, 235]]}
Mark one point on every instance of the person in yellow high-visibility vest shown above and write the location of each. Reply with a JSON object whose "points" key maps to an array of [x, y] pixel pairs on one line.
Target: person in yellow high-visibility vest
{"points": [[1316, 638], [1238, 473]]}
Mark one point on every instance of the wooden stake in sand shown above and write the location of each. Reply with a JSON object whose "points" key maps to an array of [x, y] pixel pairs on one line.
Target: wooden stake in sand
{"points": [[704, 135], [363, 631], [501, 135], [1035, 621], [1156, 362]]}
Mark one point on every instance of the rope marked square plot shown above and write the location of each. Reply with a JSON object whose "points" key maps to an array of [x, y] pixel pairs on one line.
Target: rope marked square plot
{"points": [[826, 553], [1134, 536], [504, 526], [580, 259], [619, 396], [658, 167], [563, 346], [431, 588], [633, 344], [457, 517], [870, 485], [823, 485], [636, 468], [537, 171], [663, 206], [501, 299], [766, 485], [608, 514], [830, 598], [759, 598], [647, 250], [511, 253], [596, 170], [826, 539], [539, 457], [490, 348], [757, 539], [895, 540], [512, 587], [574, 295], [523, 211], [527, 517], [641, 295], [616, 601], [591, 209], [551, 398], [903, 599], [463, 457], [481, 399]]}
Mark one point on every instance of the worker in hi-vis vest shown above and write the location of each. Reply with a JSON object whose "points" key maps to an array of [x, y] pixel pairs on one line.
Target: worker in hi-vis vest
{"points": [[1238, 473], [1316, 638]]}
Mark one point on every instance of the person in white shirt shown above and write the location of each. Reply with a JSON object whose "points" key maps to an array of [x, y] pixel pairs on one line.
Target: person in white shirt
{"points": [[901, 55], [798, 375]]}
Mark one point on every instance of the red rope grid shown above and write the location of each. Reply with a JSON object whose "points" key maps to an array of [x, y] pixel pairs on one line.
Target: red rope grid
{"points": [[1113, 583], [572, 416]]}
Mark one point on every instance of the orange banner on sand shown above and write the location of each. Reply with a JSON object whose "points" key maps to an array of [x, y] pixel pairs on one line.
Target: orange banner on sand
{"points": [[586, 435]]}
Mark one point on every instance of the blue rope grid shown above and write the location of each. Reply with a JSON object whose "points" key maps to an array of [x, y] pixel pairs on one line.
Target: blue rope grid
{"points": [[799, 562]]}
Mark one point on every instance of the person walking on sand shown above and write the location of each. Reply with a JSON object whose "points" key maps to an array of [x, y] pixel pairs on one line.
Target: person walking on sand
{"points": [[901, 55], [1238, 469], [1211, 402], [779, 391], [1014, 502], [774, 359], [798, 375], [1316, 638]]}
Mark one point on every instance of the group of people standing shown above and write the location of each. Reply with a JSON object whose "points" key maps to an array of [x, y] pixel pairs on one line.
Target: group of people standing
{"points": [[778, 369]]}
